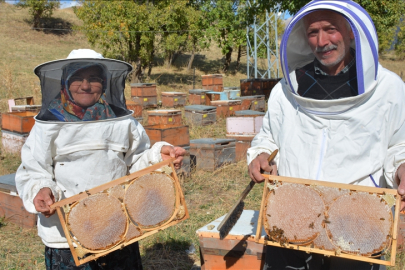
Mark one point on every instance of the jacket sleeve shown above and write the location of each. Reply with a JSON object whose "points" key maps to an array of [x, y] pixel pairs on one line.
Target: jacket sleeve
{"points": [[36, 169], [264, 141], [140, 154]]}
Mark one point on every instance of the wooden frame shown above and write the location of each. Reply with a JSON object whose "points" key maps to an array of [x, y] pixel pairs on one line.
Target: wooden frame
{"points": [[63, 207], [308, 248]]}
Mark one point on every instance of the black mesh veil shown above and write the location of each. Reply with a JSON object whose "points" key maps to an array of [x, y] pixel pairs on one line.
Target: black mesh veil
{"points": [[51, 76]]}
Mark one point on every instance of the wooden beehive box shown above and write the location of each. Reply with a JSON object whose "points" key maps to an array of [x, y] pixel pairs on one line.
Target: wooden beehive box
{"points": [[347, 221], [209, 154], [143, 90], [135, 107], [267, 86], [258, 104], [164, 117], [173, 99], [121, 212], [213, 82], [251, 87], [200, 114], [19, 122], [242, 144], [12, 142], [198, 97], [249, 113], [175, 135], [185, 170], [233, 93], [213, 96], [226, 108], [11, 205], [145, 102], [243, 125], [238, 250]]}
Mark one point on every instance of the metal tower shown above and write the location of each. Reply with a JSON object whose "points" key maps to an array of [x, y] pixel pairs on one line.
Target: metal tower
{"points": [[258, 38]]}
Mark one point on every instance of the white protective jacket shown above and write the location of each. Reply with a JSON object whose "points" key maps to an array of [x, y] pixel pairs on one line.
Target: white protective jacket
{"points": [[350, 140], [71, 157]]}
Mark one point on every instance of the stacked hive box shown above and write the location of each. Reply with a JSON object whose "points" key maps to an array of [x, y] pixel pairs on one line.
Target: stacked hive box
{"points": [[136, 108], [198, 97], [213, 82], [233, 93], [209, 154], [144, 94], [252, 87], [254, 103], [165, 117], [15, 127], [226, 108], [200, 114], [214, 96], [11, 206], [243, 127], [173, 99]]}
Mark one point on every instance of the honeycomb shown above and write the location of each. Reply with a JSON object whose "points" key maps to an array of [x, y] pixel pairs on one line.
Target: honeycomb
{"points": [[97, 222], [150, 199], [133, 232], [360, 223], [118, 192], [329, 194], [301, 216]]}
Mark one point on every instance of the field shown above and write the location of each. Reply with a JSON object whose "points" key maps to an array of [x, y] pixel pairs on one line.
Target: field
{"points": [[208, 195]]}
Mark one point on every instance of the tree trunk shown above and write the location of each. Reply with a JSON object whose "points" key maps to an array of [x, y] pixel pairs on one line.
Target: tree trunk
{"points": [[152, 54], [228, 57], [137, 73], [190, 61], [238, 59]]}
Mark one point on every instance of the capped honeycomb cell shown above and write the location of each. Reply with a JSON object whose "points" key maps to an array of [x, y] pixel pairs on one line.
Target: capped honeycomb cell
{"points": [[359, 223], [133, 232], [98, 221], [117, 191], [297, 210], [150, 199], [322, 241]]}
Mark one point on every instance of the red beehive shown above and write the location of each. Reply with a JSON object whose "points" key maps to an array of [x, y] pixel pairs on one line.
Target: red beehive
{"points": [[226, 108], [164, 117]]}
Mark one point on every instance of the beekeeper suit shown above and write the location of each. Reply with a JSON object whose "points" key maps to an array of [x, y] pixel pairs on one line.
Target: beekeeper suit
{"points": [[72, 147], [349, 132]]}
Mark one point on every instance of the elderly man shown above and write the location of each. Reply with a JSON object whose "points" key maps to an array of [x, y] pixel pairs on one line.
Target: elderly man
{"points": [[337, 116]]}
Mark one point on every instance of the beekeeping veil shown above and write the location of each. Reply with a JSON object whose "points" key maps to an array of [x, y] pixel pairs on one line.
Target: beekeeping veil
{"points": [[55, 74]]}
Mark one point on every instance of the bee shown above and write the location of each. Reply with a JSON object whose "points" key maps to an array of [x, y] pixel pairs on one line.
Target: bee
{"points": [[311, 225], [326, 221], [382, 218]]}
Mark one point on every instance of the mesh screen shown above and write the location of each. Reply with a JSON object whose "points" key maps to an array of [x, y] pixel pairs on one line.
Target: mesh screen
{"points": [[51, 75], [150, 199], [98, 222]]}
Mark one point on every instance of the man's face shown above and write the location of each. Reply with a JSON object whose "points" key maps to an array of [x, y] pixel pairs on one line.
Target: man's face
{"points": [[329, 37], [86, 86]]}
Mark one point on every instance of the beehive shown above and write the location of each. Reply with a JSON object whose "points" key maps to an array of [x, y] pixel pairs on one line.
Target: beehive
{"points": [[226, 108], [212, 82], [200, 114], [198, 97], [348, 221], [173, 99], [164, 117], [121, 212]]}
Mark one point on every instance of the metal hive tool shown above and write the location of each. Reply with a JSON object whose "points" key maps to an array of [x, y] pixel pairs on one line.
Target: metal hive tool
{"points": [[352, 222], [121, 212]]}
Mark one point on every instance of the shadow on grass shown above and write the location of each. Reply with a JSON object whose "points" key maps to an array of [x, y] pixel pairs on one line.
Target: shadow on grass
{"points": [[53, 26], [168, 255]]}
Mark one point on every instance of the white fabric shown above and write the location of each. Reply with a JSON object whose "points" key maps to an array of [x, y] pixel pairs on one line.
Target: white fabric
{"points": [[84, 53], [71, 157], [344, 140]]}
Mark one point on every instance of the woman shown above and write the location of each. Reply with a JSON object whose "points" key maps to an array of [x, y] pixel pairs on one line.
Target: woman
{"points": [[83, 137]]}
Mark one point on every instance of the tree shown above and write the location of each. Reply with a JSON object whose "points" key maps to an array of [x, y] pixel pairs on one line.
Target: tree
{"points": [[400, 39], [39, 9]]}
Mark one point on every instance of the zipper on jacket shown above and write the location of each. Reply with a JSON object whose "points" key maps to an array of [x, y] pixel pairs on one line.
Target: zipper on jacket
{"points": [[322, 152]]}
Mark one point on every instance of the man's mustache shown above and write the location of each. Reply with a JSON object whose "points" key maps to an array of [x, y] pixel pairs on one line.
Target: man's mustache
{"points": [[326, 48]]}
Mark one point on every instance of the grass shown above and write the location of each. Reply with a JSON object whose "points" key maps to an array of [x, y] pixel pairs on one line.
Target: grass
{"points": [[208, 194]]}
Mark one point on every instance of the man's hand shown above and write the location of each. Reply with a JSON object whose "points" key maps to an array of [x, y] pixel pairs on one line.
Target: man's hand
{"points": [[261, 163], [400, 179], [43, 200], [168, 151]]}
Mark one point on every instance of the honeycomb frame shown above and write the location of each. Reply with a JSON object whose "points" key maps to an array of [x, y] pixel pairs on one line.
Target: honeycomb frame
{"points": [[117, 189], [275, 236]]}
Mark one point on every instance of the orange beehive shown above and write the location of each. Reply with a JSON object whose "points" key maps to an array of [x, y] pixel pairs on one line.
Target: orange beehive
{"points": [[145, 102], [242, 144], [19, 122], [143, 90], [173, 99], [238, 250], [136, 108], [213, 82], [164, 117], [198, 97], [226, 108], [175, 135]]}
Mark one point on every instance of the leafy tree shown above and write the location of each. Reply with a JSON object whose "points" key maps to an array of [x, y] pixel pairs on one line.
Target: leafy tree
{"points": [[400, 40], [39, 9]]}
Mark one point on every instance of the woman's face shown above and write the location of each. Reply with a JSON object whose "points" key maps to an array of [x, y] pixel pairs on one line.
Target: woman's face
{"points": [[86, 86]]}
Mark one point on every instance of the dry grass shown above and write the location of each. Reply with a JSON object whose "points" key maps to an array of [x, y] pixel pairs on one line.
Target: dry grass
{"points": [[208, 195]]}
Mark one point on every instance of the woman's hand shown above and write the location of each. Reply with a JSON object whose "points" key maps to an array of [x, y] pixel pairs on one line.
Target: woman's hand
{"points": [[169, 151], [400, 179], [43, 201]]}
